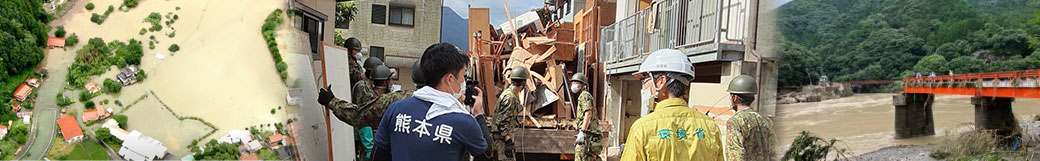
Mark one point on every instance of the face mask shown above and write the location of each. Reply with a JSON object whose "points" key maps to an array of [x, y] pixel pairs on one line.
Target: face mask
{"points": [[462, 86], [575, 88]]}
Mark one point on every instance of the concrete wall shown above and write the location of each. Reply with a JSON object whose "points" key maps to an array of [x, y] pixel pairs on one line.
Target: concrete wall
{"points": [[402, 45]]}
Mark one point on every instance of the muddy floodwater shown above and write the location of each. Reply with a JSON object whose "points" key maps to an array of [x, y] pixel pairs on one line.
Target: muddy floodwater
{"points": [[865, 122]]}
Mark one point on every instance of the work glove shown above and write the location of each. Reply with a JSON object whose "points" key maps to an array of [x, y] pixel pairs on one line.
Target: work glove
{"points": [[580, 138], [325, 95]]}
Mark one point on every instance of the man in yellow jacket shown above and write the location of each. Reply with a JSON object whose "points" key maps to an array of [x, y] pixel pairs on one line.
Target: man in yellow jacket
{"points": [[673, 131]]}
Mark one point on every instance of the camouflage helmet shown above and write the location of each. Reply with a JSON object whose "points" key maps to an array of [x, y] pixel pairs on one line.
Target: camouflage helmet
{"points": [[353, 43], [580, 77], [417, 74], [372, 62], [743, 84], [519, 72], [381, 73]]}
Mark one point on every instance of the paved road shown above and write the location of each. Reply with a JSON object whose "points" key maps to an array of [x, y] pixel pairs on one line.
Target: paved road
{"points": [[45, 112]]}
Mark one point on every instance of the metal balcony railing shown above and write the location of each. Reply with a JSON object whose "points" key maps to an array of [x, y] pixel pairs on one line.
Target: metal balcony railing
{"points": [[678, 24]]}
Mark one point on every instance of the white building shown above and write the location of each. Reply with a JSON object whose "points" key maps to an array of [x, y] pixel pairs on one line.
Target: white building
{"points": [[236, 136], [139, 147]]}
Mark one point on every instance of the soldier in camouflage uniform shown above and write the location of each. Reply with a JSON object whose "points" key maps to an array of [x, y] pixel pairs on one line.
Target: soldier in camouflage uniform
{"points": [[357, 74], [749, 135], [588, 145], [370, 101], [505, 121]]}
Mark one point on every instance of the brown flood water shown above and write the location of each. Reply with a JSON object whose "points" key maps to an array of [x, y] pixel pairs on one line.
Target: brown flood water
{"points": [[865, 122]]}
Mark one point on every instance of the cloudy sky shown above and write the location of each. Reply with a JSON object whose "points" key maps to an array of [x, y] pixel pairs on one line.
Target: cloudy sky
{"points": [[498, 12], [517, 7]]}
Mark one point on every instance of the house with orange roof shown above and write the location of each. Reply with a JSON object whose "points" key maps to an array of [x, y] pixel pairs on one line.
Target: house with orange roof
{"points": [[22, 92], [17, 106], [55, 42], [97, 113], [70, 129], [92, 87], [275, 140]]}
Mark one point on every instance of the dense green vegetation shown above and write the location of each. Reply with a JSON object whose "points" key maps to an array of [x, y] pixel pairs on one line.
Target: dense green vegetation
{"points": [[90, 6], [272, 22], [60, 32], [23, 34], [131, 3], [104, 135], [154, 18], [111, 86], [889, 39], [17, 134], [96, 18], [121, 119], [96, 57], [216, 151], [71, 40], [63, 100]]}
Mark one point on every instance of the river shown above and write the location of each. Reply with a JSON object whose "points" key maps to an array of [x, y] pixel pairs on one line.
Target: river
{"points": [[865, 122]]}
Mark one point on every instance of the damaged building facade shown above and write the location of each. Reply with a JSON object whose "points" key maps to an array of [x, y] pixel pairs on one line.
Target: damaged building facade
{"points": [[716, 35]]}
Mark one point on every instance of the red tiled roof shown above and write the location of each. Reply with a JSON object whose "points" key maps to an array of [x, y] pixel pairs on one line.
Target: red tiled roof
{"points": [[56, 42], [22, 91], [69, 127], [92, 87], [17, 106], [276, 138]]}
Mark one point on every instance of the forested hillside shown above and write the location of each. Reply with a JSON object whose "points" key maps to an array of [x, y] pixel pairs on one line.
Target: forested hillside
{"points": [[888, 39]]}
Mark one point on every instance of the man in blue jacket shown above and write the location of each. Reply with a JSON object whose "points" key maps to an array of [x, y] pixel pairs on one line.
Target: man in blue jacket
{"points": [[434, 124]]}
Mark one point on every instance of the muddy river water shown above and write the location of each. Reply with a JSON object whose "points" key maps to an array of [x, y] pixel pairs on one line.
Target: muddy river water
{"points": [[865, 122]]}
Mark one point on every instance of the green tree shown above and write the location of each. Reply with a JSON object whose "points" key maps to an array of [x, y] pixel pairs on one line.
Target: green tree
{"points": [[60, 32], [72, 40], [174, 48], [345, 12], [90, 6], [965, 64], [121, 119], [932, 63], [106, 136], [217, 151], [18, 133], [130, 3], [112, 86]]}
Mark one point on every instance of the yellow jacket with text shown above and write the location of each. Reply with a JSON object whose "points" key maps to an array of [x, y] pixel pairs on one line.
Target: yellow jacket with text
{"points": [[673, 132]]}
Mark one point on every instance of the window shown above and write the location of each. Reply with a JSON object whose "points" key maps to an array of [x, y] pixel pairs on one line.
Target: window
{"points": [[376, 52], [378, 14], [709, 72], [402, 15]]}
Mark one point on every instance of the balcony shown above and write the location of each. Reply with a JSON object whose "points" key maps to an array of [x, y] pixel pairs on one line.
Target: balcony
{"points": [[691, 26]]}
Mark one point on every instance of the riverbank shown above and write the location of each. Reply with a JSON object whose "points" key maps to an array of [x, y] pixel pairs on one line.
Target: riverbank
{"points": [[865, 122]]}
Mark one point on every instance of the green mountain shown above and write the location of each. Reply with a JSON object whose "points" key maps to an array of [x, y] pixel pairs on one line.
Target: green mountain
{"points": [[888, 39]]}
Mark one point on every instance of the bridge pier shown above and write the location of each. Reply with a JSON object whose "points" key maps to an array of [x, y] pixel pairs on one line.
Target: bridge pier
{"points": [[913, 115], [994, 113]]}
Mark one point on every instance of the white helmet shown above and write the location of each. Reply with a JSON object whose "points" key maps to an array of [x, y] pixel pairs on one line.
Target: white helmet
{"points": [[665, 60]]}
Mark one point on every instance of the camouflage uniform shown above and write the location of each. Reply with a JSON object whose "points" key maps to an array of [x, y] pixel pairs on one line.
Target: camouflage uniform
{"points": [[749, 136], [355, 72], [504, 124], [357, 115], [591, 146]]}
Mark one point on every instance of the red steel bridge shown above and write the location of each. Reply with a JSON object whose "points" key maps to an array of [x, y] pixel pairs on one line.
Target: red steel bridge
{"points": [[992, 95], [1014, 84]]}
